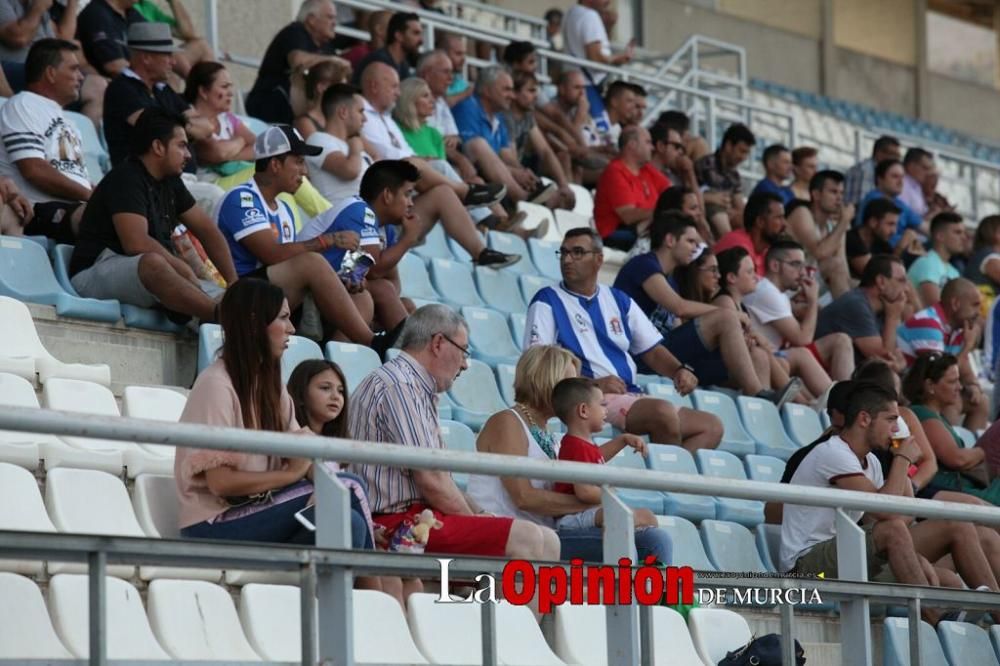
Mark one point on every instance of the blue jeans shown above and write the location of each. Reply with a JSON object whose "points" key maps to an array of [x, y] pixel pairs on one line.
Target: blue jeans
{"points": [[588, 544]]}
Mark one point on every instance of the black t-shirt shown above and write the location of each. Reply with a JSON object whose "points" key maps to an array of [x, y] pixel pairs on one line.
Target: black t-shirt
{"points": [[274, 68], [128, 188], [103, 33], [855, 246], [404, 69], [125, 95]]}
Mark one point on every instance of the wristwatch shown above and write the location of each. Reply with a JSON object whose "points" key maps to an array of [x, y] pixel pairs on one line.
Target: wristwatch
{"points": [[685, 366]]}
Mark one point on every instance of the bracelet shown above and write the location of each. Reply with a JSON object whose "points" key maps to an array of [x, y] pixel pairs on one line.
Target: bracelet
{"points": [[324, 244], [900, 455], [685, 366]]}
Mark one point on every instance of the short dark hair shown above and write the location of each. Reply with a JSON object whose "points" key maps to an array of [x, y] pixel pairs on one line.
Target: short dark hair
{"points": [[553, 13], [595, 238], [883, 167], [616, 89], [883, 142], [201, 75], [880, 265], [386, 175], [877, 371], [772, 151], [739, 133], [915, 155], [637, 89], [780, 247], [942, 220], [928, 366], [868, 397], [677, 120], [671, 198], [668, 223], [729, 263], [337, 95], [818, 182], [879, 208], [658, 133], [521, 79], [398, 24], [515, 52], [569, 393], [803, 153], [153, 124], [757, 205], [43, 54]]}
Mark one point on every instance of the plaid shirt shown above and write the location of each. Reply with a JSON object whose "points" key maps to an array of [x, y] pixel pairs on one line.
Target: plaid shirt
{"points": [[713, 176]]}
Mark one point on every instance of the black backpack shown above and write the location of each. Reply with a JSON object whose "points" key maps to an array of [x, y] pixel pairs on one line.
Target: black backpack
{"points": [[763, 651]]}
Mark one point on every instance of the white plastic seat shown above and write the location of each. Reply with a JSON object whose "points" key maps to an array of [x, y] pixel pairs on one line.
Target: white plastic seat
{"points": [[74, 395], [452, 633], [26, 632], [716, 631], [672, 644], [581, 635], [155, 403], [566, 220], [129, 634], [584, 200], [536, 215], [197, 620], [21, 510], [20, 448], [23, 353], [299, 349], [458, 437]]}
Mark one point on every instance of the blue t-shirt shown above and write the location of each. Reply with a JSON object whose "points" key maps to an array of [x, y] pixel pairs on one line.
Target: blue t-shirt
{"points": [[767, 185], [472, 122], [242, 212], [637, 270], [908, 219], [351, 214]]}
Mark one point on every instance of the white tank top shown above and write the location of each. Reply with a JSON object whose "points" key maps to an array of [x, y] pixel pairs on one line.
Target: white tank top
{"points": [[489, 493]]}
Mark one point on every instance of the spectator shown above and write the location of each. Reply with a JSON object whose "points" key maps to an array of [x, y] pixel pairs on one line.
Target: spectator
{"points": [[343, 158], [790, 321], [403, 38], [641, 104], [319, 77], [805, 164], [123, 252], [42, 150], [520, 57], [952, 326], [718, 173], [553, 28], [609, 329], [385, 199], [694, 146], [764, 223], [195, 49], [578, 403], [932, 271], [699, 280], [711, 339], [984, 264], [619, 110], [821, 227], [229, 149], [567, 123], [628, 190], [872, 237], [455, 48], [889, 185], [860, 178], [301, 44], [487, 143], [777, 161], [870, 313], [669, 158], [917, 165], [397, 404], [378, 25], [586, 37], [101, 29], [24, 23]]}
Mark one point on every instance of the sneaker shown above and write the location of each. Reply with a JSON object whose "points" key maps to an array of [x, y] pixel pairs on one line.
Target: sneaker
{"points": [[779, 398], [495, 259], [386, 340], [484, 195], [512, 222], [542, 193], [310, 323]]}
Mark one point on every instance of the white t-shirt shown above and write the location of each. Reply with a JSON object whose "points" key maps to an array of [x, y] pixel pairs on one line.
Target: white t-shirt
{"points": [[382, 132], [36, 127], [442, 120], [802, 527], [582, 26], [768, 304], [331, 187]]}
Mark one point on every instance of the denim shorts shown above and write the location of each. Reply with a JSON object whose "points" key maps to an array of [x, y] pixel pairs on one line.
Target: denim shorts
{"points": [[579, 521]]}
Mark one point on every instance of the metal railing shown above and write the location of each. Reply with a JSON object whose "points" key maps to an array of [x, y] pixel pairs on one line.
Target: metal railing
{"points": [[331, 566]]}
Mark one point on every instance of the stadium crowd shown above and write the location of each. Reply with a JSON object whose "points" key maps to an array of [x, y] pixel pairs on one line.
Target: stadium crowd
{"points": [[861, 292]]}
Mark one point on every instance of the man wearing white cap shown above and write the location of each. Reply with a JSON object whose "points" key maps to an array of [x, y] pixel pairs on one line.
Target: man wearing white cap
{"points": [[260, 230]]}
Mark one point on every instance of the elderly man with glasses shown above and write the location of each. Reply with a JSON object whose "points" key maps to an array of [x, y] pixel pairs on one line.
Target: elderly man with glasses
{"points": [[604, 328]]}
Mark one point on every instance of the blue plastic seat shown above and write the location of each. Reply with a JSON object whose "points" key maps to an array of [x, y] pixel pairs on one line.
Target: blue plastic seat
{"points": [[685, 543], [61, 255], [518, 322], [768, 539], [458, 253], [636, 498], [824, 419], [209, 344], [764, 468], [453, 281], [966, 643], [511, 244], [458, 437], [968, 437], [413, 279], [489, 337], [299, 349], [730, 546], [532, 284], [445, 406], [27, 275], [801, 423], [642, 381], [734, 437], [666, 391], [95, 155], [543, 255], [255, 125], [896, 644], [475, 395], [500, 290], [435, 245], [761, 419], [670, 458], [505, 381], [723, 465], [357, 361]]}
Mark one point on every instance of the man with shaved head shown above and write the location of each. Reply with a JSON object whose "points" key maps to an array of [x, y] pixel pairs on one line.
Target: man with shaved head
{"points": [[951, 326], [436, 69]]}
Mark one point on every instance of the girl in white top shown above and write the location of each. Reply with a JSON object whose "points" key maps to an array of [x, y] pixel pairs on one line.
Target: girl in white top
{"points": [[210, 91]]}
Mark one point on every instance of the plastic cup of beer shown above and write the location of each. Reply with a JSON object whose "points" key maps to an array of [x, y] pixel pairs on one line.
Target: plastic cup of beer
{"points": [[902, 432]]}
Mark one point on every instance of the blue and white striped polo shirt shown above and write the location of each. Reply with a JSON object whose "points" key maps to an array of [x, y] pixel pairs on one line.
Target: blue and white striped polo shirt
{"points": [[603, 330]]}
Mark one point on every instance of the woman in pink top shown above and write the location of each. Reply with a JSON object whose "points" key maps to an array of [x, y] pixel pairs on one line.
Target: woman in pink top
{"points": [[232, 494]]}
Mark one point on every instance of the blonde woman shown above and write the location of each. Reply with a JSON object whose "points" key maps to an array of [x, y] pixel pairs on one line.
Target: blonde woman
{"points": [[414, 107]]}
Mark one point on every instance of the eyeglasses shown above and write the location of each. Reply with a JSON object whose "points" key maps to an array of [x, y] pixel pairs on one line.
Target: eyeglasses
{"points": [[575, 252], [714, 270], [465, 350]]}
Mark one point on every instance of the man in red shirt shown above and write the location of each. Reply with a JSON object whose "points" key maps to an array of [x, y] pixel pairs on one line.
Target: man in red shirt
{"points": [[763, 223], [628, 190]]}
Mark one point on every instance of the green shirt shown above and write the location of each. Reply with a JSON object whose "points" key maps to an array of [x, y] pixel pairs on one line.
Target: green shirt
{"points": [[426, 142]]}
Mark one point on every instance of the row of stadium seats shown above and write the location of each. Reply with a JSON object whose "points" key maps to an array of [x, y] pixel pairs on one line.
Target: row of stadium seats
{"points": [[954, 643]]}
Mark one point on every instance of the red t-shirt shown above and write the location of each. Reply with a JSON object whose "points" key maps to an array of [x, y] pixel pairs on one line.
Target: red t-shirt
{"points": [[620, 187], [577, 450], [740, 238]]}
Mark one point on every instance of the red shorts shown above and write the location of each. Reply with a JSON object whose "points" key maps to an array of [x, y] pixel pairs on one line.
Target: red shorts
{"points": [[458, 535], [814, 350]]}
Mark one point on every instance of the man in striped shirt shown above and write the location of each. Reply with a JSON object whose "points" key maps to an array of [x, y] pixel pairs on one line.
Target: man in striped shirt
{"points": [[397, 404]]}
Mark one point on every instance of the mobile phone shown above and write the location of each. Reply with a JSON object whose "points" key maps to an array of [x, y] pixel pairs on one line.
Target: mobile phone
{"points": [[306, 523]]}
